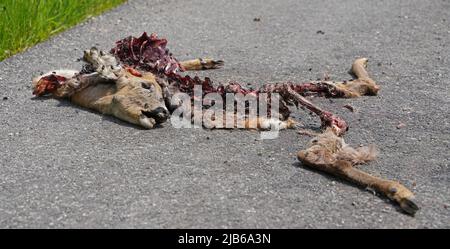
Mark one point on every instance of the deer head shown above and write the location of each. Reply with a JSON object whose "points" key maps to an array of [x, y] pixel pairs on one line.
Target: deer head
{"points": [[139, 100], [110, 88]]}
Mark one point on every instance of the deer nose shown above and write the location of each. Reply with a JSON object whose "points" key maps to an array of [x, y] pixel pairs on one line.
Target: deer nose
{"points": [[159, 114]]}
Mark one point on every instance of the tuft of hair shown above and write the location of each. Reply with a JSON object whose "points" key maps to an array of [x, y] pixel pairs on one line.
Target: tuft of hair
{"points": [[359, 155]]}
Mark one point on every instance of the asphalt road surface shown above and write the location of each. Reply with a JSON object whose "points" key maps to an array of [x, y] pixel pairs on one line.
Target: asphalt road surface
{"points": [[67, 167]]}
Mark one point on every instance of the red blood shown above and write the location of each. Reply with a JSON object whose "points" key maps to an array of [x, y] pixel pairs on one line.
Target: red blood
{"points": [[147, 53], [49, 84], [134, 72]]}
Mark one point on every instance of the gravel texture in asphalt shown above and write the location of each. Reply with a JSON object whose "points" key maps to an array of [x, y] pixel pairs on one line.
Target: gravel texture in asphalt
{"points": [[67, 167]]}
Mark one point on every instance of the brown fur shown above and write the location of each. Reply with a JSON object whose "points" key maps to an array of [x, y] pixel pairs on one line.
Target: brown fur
{"points": [[129, 98], [329, 153]]}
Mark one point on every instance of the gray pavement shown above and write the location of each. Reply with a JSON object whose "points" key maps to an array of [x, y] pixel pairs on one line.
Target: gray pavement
{"points": [[66, 167]]}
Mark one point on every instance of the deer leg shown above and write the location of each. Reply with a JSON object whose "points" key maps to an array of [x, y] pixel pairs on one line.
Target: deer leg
{"points": [[362, 85], [201, 64], [392, 189], [329, 153]]}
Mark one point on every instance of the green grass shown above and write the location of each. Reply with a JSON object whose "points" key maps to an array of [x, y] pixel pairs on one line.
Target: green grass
{"points": [[24, 23]]}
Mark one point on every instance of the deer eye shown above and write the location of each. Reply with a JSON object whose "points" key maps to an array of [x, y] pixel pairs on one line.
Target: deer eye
{"points": [[147, 86]]}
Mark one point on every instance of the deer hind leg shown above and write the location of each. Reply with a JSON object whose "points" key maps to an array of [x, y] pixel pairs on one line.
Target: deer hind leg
{"points": [[201, 64], [362, 85], [329, 153]]}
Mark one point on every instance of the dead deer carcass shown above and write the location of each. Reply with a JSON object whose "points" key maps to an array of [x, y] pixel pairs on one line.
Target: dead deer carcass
{"points": [[136, 80]]}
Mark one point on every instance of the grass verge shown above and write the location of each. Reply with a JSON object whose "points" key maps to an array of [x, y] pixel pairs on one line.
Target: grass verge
{"points": [[23, 23]]}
